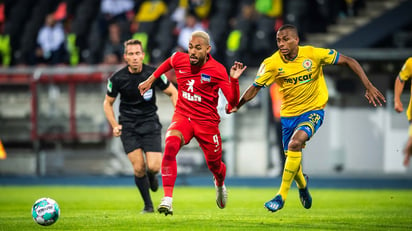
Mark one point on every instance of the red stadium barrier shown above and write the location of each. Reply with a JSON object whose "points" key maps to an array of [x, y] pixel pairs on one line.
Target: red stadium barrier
{"points": [[68, 81], [72, 81]]}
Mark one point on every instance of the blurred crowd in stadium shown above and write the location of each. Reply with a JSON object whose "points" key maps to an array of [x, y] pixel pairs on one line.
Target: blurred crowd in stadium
{"points": [[72, 32]]}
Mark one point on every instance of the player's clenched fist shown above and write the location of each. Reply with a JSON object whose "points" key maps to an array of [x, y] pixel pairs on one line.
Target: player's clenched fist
{"points": [[117, 131]]}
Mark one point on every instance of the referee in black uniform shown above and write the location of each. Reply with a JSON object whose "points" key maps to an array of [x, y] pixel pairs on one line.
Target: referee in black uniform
{"points": [[138, 125]]}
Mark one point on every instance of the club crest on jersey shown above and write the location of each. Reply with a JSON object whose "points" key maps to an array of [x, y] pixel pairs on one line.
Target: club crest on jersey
{"points": [[190, 84], [307, 64], [204, 78], [189, 95]]}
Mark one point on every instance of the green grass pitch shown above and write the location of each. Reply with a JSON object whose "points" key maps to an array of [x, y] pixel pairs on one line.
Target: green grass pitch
{"points": [[118, 208]]}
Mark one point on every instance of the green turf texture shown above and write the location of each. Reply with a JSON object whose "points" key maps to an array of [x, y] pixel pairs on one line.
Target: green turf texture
{"points": [[118, 208]]}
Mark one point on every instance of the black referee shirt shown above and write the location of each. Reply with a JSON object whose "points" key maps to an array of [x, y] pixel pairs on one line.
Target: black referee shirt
{"points": [[132, 103]]}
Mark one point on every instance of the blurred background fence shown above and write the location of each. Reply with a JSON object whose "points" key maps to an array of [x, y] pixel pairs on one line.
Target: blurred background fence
{"points": [[52, 122], [51, 116]]}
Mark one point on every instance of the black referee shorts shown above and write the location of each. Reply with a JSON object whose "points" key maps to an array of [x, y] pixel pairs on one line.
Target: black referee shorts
{"points": [[144, 134]]}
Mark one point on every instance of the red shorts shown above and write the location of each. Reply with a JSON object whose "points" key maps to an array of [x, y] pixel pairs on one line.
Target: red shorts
{"points": [[206, 133]]}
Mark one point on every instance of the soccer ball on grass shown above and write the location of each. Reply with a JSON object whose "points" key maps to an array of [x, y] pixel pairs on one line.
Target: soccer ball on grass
{"points": [[45, 211]]}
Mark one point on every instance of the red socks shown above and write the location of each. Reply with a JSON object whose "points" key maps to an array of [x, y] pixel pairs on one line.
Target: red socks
{"points": [[169, 166]]}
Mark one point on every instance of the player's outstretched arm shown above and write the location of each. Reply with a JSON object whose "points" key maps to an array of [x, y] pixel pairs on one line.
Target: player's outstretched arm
{"points": [[147, 84], [398, 88], [248, 95], [237, 69], [372, 94]]}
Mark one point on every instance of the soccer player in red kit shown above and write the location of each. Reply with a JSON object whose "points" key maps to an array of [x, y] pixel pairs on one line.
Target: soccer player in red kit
{"points": [[199, 78]]}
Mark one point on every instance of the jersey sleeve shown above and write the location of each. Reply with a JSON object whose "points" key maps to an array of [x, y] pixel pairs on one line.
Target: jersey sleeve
{"points": [[266, 73], [163, 68], [230, 88], [234, 84], [162, 83], [406, 71], [326, 56], [112, 89]]}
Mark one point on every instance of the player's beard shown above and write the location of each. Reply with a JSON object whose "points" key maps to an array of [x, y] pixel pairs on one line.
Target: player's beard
{"points": [[199, 60]]}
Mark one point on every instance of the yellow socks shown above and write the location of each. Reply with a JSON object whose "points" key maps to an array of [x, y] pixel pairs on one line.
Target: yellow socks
{"points": [[300, 179], [292, 166]]}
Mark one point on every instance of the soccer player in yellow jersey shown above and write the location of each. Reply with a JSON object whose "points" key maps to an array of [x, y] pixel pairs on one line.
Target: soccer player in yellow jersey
{"points": [[404, 75], [298, 72]]}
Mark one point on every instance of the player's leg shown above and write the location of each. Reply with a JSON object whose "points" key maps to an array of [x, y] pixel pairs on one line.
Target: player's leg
{"points": [[173, 143], [309, 123], [154, 161], [304, 195], [213, 156], [140, 178], [292, 165], [218, 168], [179, 133], [133, 147], [288, 128], [301, 180], [296, 131], [152, 144], [210, 141]]}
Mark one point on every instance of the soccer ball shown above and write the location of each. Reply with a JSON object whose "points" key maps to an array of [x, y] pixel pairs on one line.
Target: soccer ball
{"points": [[45, 211]]}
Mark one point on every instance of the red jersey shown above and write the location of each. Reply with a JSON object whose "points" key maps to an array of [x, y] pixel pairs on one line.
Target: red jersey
{"points": [[198, 87]]}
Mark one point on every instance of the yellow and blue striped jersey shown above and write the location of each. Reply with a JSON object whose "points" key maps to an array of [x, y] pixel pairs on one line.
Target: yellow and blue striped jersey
{"points": [[405, 74], [301, 80]]}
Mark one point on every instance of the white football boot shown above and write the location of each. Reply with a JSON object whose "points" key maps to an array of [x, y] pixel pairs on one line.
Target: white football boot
{"points": [[221, 195], [166, 206]]}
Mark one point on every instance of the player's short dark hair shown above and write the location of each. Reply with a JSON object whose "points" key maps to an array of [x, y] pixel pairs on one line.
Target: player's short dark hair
{"points": [[131, 42], [288, 27]]}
